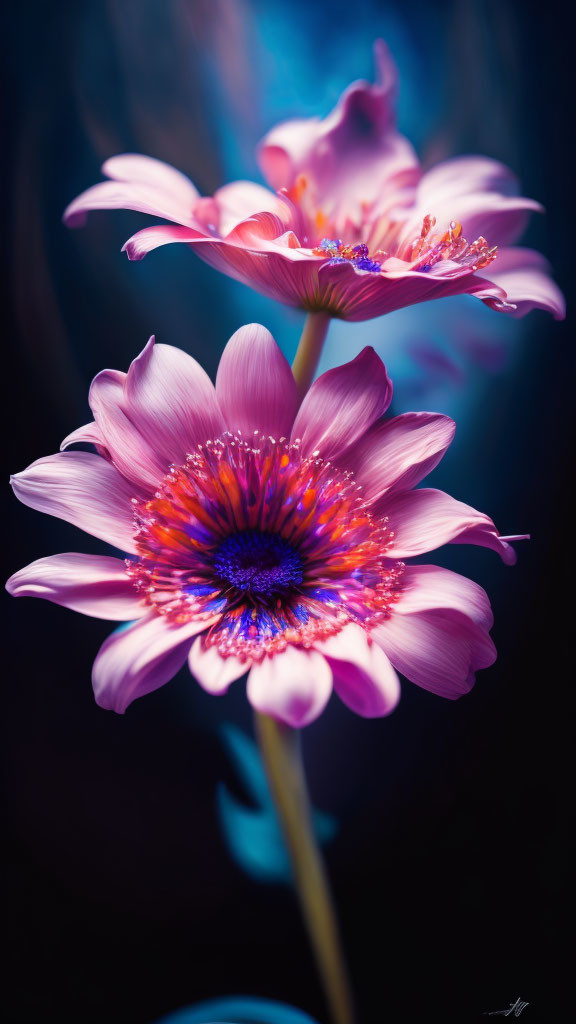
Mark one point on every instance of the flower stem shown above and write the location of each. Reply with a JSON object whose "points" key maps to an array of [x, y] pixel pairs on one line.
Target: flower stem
{"points": [[281, 753], [309, 350]]}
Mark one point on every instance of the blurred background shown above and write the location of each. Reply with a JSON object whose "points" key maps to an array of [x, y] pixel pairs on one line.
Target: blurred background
{"points": [[449, 859]]}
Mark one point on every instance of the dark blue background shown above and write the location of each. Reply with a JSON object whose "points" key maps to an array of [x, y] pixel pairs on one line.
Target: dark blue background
{"points": [[450, 864]]}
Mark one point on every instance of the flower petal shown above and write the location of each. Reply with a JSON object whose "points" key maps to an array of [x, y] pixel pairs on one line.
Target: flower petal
{"points": [[139, 183], [363, 677], [242, 199], [156, 413], [349, 157], [428, 586], [149, 171], [356, 296], [92, 584], [463, 175], [293, 686], [426, 519], [88, 434], [479, 193], [83, 489], [211, 670], [254, 385], [439, 649], [524, 277], [147, 239], [342, 404], [396, 454], [173, 401], [140, 659], [286, 273], [133, 457]]}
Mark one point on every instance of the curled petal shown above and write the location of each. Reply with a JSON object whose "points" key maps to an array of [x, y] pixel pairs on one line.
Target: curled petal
{"points": [[213, 672], [293, 686], [139, 183], [88, 434], [140, 659], [348, 158], [92, 584], [241, 200], [148, 239], [149, 171], [425, 519], [523, 277], [363, 676]]}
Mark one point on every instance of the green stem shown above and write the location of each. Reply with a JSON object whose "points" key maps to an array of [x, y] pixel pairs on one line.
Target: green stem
{"points": [[280, 748], [309, 350]]}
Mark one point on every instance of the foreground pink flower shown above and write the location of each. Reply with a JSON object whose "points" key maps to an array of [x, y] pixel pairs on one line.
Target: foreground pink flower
{"points": [[355, 228], [263, 537]]}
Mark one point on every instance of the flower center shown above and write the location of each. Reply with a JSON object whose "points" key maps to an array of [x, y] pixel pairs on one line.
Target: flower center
{"points": [[267, 546], [357, 255], [259, 563]]}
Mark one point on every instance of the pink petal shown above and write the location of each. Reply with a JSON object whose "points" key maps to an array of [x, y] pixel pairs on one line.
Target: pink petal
{"points": [[426, 519], [428, 586], [156, 413], [363, 677], [396, 454], [342, 404], [83, 489], [524, 277], [137, 660], [92, 584], [149, 171], [439, 649], [242, 199], [256, 256], [211, 670], [283, 274], [88, 434], [140, 183], [462, 175], [357, 297], [479, 193], [123, 195], [254, 385], [129, 452], [293, 686], [286, 273], [147, 239], [348, 158]]}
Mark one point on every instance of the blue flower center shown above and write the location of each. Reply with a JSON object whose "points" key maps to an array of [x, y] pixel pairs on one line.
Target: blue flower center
{"points": [[258, 563]]}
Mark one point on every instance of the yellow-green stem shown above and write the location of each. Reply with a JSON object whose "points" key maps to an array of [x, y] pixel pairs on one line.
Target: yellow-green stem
{"points": [[309, 350], [280, 748]]}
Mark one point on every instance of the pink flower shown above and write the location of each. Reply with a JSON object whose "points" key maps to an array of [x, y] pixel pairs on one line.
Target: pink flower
{"points": [[262, 537], [355, 228]]}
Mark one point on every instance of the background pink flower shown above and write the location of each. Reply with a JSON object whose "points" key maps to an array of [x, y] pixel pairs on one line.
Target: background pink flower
{"points": [[262, 536], [355, 227]]}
